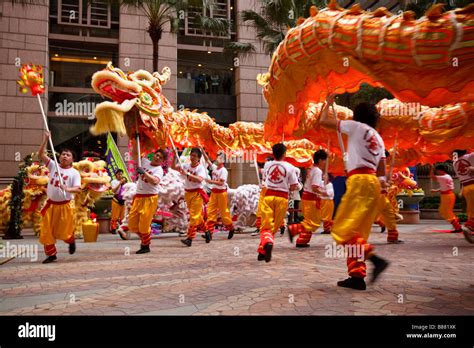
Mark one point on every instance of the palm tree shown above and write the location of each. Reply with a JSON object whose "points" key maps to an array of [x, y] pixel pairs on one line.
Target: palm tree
{"points": [[161, 12], [272, 22]]}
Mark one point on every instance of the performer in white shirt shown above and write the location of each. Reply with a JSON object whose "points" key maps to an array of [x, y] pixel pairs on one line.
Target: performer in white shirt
{"points": [[447, 197], [464, 167], [58, 213], [366, 175], [118, 203], [327, 204], [310, 202], [218, 203], [145, 202], [280, 179], [194, 195]]}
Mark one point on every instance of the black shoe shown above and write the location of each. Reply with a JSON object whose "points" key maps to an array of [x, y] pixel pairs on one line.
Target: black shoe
{"points": [[187, 242], [398, 241], [302, 245], [72, 248], [353, 283], [260, 257], [143, 249], [113, 231], [282, 230], [379, 266], [231, 234], [382, 229], [326, 232], [208, 236], [268, 251], [50, 259]]}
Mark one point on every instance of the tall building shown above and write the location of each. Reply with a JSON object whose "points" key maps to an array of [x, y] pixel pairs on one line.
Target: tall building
{"points": [[74, 38]]}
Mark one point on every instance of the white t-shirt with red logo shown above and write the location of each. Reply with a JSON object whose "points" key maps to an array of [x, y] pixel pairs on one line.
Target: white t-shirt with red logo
{"points": [[461, 166], [71, 178], [197, 171], [365, 147], [445, 182], [280, 175], [314, 178], [219, 174], [144, 187]]}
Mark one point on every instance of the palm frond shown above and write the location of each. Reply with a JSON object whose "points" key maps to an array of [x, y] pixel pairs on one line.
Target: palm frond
{"points": [[256, 19], [241, 49], [217, 26]]}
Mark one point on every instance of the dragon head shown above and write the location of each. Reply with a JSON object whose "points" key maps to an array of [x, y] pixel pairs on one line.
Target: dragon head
{"points": [[134, 92], [94, 176], [37, 175], [404, 179]]}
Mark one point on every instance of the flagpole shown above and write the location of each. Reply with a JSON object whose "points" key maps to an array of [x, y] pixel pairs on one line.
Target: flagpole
{"points": [[118, 151], [45, 121]]}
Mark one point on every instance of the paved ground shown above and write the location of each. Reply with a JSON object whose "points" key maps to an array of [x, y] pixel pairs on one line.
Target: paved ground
{"points": [[432, 273]]}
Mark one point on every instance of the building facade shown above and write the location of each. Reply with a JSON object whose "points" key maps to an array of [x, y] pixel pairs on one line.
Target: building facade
{"points": [[74, 38]]}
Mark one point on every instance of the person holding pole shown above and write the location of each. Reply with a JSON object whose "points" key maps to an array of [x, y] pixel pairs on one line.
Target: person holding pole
{"points": [[281, 177], [58, 213], [194, 194], [145, 201], [310, 202], [365, 162], [218, 202], [447, 196]]}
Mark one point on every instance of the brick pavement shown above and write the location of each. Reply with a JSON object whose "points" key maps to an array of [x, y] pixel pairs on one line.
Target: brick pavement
{"points": [[431, 274]]}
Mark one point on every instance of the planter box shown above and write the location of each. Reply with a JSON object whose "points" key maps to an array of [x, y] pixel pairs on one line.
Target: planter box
{"points": [[409, 217], [90, 232], [410, 200], [104, 225]]}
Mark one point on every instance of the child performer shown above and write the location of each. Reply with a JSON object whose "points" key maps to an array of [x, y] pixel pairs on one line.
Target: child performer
{"points": [[358, 207], [145, 201], [327, 204], [310, 202], [447, 197], [194, 194], [464, 166], [118, 203], [218, 201], [280, 179], [58, 213]]}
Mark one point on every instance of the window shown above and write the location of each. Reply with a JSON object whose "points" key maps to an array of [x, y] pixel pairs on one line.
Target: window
{"points": [[78, 12]]}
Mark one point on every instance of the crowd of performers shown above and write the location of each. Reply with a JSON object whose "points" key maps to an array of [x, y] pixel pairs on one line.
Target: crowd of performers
{"points": [[367, 197]]}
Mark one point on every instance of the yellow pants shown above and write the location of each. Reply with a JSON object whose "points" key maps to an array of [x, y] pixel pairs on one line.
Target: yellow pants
{"points": [[58, 223], [258, 222], [327, 211], [273, 213], [468, 193], [312, 220], [141, 215], [194, 202], [118, 212], [388, 215], [218, 203], [355, 215], [446, 206]]}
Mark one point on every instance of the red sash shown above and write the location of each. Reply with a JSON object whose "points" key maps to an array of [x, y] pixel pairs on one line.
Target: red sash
{"points": [[49, 203], [446, 192], [309, 196], [218, 190], [361, 170], [203, 194], [276, 193]]}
